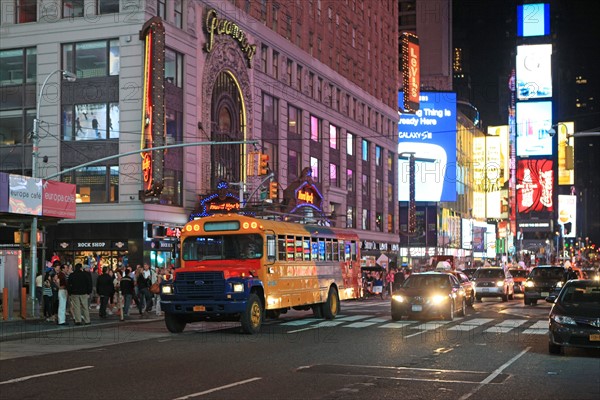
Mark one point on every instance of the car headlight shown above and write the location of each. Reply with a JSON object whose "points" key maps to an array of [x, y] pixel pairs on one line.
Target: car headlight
{"points": [[563, 319], [438, 299], [398, 298], [166, 289], [559, 284], [238, 287], [529, 284], [500, 283]]}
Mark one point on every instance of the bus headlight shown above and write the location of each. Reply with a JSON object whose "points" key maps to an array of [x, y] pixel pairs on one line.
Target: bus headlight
{"points": [[166, 289], [438, 299], [238, 287]]}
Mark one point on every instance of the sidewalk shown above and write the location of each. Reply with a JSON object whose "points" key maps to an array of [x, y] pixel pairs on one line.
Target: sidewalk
{"points": [[18, 328]]}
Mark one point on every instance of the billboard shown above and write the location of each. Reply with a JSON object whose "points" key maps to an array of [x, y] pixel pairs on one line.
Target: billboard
{"points": [[430, 134], [535, 182], [567, 214], [534, 120], [534, 72], [533, 20], [566, 153], [59, 199], [25, 195], [411, 71]]}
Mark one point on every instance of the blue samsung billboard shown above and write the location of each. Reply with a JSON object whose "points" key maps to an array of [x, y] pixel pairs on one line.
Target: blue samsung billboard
{"points": [[533, 20], [430, 133]]}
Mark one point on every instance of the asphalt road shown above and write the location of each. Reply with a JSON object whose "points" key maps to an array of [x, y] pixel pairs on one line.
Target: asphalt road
{"points": [[498, 351]]}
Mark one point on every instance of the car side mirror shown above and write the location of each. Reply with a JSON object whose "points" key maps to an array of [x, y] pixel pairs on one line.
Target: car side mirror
{"points": [[550, 299]]}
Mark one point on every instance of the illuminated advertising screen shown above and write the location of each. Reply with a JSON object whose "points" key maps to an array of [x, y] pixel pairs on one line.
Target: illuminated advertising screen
{"points": [[534, 120], [411, 71], [25, 195], [535, 182], [430, 134], [566, 153], [567, 214], [533, 20], [534, 72]]}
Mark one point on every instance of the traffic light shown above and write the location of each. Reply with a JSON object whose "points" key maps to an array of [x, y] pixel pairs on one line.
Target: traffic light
{"points": [[251, 170], [273, 190], [263, 164]]}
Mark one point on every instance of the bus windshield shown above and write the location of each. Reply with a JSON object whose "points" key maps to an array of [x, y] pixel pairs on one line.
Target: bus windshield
{"points": [[222, 247]]}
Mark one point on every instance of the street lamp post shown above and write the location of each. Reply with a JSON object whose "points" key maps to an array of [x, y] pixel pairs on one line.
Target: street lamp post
{"points": [[35, 140]]}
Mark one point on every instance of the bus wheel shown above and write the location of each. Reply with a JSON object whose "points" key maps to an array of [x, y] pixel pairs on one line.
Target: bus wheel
{"points": [[253, 316], [331, 305], [174, 323]]}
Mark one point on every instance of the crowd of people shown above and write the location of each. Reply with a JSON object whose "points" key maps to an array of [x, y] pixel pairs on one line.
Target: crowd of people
{"points": [[382, 282], [66, 291]]}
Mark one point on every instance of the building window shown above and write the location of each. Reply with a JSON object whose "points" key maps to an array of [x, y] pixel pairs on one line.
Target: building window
{"points": [[97, 121], [366, 220], [320, 90], [365, 150], [95, 184], [390, 223], [390, 192], [263, 11], [178, 13], [315, 165], [15, 126], [350, 217], [298, 33], [333, 175], [92, 59], [174, 67], [366, 186], [72, 8], [294, 120], [161, 9], [18, 66], [390, 161], [350, 180], [275, 65], [288, 27], [378, 156], [333, 136], [378, 189], [26, 11], [108, 6], [288, 71], [172, 193], [293, 165], [311, 84], [299, 77], [263, 58], [315, 129], [349, 144], [275, 18], [379, 221], [269, 110]]}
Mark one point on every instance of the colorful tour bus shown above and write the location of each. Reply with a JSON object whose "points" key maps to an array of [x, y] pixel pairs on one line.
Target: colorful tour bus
{"points": [[239, 268]]}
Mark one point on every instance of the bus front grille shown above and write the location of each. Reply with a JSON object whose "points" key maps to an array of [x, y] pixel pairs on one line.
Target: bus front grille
{"points": [[200, 285]]}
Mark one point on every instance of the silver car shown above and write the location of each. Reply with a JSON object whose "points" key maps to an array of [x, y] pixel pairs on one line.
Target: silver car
{"points": [[493, 282]]}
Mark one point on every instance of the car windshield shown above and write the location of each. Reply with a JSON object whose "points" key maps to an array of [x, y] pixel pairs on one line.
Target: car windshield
{"points": [[518, 273], [548, 273], [424, 281], [488, 273], [581, 293]]}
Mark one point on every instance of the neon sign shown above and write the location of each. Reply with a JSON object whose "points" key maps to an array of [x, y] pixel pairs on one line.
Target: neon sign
{"points": [[222, 26]]}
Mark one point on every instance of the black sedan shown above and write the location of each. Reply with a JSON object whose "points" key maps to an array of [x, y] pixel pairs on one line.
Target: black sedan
{"points": [[430, 293], [575, 316]]}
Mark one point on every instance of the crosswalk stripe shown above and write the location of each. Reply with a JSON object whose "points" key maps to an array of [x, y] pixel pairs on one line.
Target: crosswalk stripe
{"points": [[470, 324], [506, 326], [359, 324], [353, 317], [396, 325]]}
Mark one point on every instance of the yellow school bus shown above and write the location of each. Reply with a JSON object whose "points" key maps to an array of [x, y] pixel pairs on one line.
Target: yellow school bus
{"points": [[240, 268]]}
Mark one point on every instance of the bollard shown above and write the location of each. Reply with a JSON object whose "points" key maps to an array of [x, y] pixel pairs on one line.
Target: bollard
{"points": [[24, 303], [5, 304]]}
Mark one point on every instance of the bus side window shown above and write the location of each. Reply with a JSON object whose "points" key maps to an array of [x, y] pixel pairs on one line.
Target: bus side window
{"points": [[299, 248], [281, 248], [314, 249], [271, 248], [306, 245], [321, 249], [336, 250], [353, 250], [290, 248], [328, 250]]}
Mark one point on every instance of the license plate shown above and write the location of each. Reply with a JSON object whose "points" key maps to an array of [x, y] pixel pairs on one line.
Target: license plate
{"points": [[595, 337], [416, 307], [485, 290], [199, 308], [545, 294]]}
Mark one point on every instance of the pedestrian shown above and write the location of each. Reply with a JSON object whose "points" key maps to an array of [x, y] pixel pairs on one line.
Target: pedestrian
{"points": [[94, 300], [144, 281], [127, 291], [61, 278], [105, 289], [398, 279], [78, 127], [389, 281], [39, 282], [80, 287], [95, 126], [47, 293], [158, 280]]}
